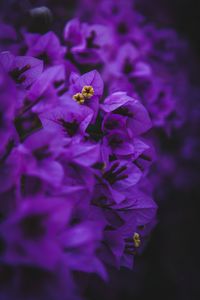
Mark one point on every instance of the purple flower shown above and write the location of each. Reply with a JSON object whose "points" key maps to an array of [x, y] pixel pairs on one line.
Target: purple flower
{"points": [[45, 47], [24, 70], [115, 178], [78, 182], [113, 122], [128, 63], [43, 236], [137, 116], [118, 143], [87, 43], [46, 90], [82, 237], [71, 119], [88, 89], [39, 152], [138, 205], [73, 35], [128, 226], [85, 154], [30, 233]]}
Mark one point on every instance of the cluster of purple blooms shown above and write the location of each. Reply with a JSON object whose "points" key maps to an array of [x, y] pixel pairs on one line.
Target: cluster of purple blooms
{"points": [[75, 152]]}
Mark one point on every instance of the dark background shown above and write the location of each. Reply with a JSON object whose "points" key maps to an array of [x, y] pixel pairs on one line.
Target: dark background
{"points": [[183, 14], [168, 268]]}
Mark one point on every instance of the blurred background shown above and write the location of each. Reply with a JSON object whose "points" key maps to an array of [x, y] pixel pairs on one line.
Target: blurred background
{"points": [[168, 268]]}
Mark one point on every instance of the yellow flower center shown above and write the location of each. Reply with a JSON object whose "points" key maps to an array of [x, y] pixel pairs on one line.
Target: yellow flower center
{"points": [[79, 98], [87, 91], [136, 240]]}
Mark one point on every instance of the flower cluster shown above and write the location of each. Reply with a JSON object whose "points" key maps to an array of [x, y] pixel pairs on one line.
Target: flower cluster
{"points": [[75, 113]]}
